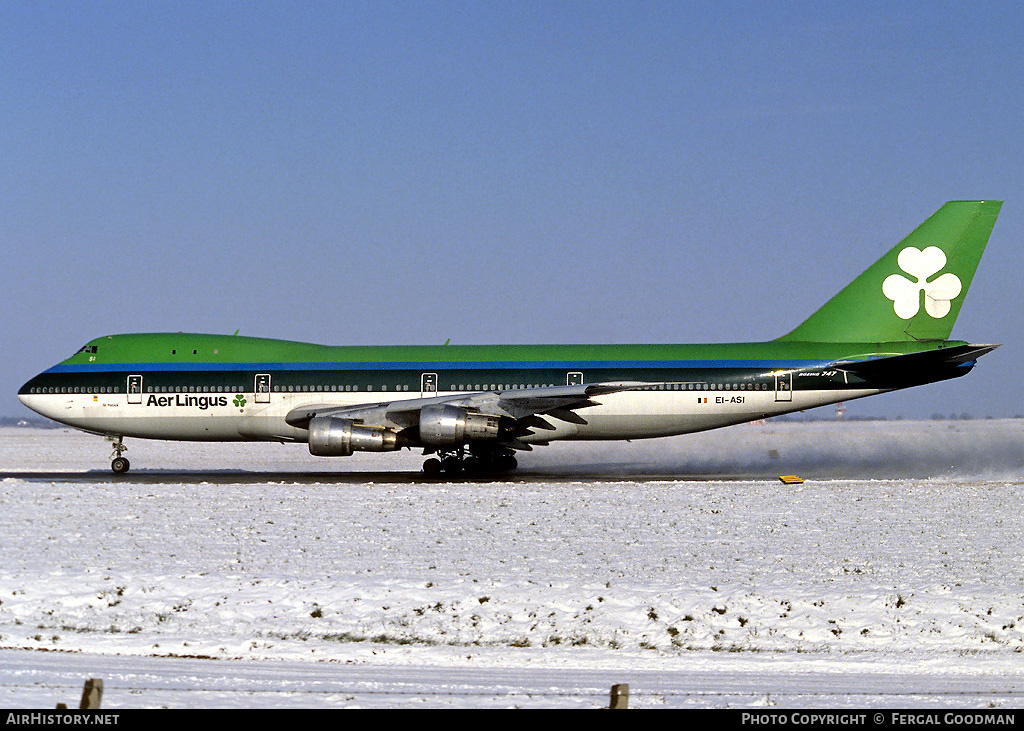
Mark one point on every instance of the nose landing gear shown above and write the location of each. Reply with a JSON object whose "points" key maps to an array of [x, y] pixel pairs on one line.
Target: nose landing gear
{"points": [[119, 464]]}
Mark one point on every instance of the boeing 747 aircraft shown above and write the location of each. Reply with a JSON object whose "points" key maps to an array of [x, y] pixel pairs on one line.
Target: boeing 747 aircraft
{"points": [[472, 407]]}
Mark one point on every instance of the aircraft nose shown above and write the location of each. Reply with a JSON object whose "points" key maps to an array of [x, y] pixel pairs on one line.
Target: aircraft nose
{"points": [[35, 401]]}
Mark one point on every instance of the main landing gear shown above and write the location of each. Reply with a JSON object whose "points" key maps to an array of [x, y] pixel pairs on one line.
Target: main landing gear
{"points": [[119, 464], [472, 460]]}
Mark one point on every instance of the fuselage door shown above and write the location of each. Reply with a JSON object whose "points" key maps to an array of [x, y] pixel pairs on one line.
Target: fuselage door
{"points": [[135, 389], [262, 388], [784, 386], [428, 385], [574, 378]]}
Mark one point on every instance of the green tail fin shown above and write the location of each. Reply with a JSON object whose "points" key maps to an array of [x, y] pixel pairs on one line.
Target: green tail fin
{"points": [[915, 291]]}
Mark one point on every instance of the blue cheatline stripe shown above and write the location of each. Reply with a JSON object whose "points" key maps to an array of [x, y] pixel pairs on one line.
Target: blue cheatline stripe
{"points": [[439, 366]]}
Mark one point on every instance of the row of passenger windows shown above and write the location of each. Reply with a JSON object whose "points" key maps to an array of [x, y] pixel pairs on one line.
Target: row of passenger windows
{"points": [[405, 387], [76, 389], [495, 387], [398, 387], [709, 387]]}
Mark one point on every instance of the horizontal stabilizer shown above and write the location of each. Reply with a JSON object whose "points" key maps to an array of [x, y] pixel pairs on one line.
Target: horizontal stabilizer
{"points": [[955, 357]]}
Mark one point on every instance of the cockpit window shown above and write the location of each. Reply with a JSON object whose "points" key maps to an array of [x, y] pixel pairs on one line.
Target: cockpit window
{"points": [[87, 349]]}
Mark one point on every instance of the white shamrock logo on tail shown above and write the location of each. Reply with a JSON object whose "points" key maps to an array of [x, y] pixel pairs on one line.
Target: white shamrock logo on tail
{"points": [[906, 294]]}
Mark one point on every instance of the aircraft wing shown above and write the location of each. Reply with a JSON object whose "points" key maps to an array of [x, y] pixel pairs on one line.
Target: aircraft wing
{"points": [[522, 409]]}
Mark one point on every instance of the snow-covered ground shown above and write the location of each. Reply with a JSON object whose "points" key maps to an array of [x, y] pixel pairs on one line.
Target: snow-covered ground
{"points": [[892, 577]]}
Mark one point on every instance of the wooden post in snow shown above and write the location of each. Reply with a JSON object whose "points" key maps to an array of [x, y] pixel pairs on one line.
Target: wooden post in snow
{"points": [[92, 693], [620, 696]]}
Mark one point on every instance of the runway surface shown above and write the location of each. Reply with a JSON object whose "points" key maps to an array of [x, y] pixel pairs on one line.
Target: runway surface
{"points": [[39, 680], [237, 477], [818, 450]]}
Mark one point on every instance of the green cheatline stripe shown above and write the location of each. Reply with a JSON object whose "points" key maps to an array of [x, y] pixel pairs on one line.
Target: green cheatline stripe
{"points": [[438, 366], [184, 350]]}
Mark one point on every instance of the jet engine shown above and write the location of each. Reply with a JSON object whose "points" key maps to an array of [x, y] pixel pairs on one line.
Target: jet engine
{"points": [[444, 425], [333, 437]]}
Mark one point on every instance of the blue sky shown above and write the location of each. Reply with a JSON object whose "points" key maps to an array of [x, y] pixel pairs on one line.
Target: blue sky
{"points": [[489, 172]]}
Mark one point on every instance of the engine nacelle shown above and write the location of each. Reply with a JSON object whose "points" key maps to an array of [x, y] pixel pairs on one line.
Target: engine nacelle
{"points": [[443, 424], [333, 437]]}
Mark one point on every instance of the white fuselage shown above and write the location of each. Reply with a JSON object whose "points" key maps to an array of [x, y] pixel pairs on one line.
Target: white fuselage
{"points": [[224, 417]]}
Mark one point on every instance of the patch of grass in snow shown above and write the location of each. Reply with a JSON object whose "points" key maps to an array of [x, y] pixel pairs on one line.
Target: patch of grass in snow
{"points": [[110, 630], [351, 637], [572, 641]]}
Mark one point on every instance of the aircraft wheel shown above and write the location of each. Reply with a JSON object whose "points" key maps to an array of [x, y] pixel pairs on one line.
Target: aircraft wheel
{"points": [[120, 465], [432, 466], [452, 465]]}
